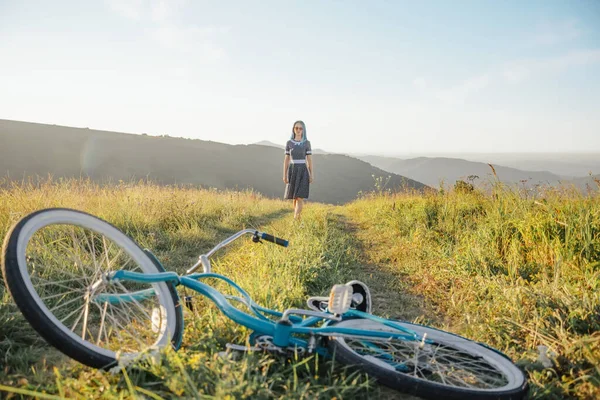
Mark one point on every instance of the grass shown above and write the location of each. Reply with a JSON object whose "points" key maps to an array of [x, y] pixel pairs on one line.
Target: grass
{"points": [[178, 224], [511, 269]]}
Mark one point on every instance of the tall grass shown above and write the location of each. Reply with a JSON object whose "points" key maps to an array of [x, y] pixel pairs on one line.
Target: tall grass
{"points": [[508, 268], [511, 269], [178, 224]]}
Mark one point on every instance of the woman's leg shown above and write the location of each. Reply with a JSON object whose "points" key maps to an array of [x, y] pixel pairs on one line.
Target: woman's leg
{"points": [[298, 207]]}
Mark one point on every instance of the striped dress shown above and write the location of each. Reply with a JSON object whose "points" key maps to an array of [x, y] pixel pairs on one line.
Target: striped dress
{"points": [[297, 173]]}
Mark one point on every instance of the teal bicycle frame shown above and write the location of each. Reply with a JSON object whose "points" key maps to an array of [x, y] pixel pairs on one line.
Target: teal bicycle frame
{"points": [[283, 330]]}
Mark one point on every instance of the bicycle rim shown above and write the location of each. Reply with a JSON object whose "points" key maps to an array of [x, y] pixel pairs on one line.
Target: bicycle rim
{"points": [[449, 366], [54, 258]]}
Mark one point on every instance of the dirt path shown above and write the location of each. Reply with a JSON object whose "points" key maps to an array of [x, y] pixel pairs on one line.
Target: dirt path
{"points": [[386, 283], [388, 294]]}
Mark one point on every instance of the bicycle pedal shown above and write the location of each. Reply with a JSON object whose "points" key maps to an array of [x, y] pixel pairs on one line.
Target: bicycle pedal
{"points": [[340, 299]]}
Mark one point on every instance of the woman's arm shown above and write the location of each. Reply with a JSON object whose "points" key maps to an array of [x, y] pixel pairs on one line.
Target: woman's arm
{"points": [[309, 164], [286, 164]]}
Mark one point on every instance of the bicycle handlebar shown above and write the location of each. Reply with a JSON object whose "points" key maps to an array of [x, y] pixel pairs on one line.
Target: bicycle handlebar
{"points": [[204, 258], [273, 239]]}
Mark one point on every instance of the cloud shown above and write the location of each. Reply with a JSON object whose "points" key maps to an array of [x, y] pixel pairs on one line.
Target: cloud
{"points": [[518, 71], [513, 72], [166, 28], [554, 33], [155, 10], [163, 11], [574, 58], [420, 83], [459, 93], [130, 9], [189, 39]]}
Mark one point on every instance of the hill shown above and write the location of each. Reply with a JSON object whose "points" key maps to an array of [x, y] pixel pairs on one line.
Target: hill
{"points": [[587, 183], [432, 170], [30, 149], [281, 146], [566, 165]]}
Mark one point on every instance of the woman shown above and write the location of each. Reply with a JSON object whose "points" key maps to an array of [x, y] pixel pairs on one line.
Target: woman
{"points": [[297, 167]]}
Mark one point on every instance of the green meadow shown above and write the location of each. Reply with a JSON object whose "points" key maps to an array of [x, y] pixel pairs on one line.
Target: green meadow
{"points": [[509, 268]]}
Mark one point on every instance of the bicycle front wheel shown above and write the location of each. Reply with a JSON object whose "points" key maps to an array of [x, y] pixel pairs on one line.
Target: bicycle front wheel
{"points": [[54, 264], [447, 367]]}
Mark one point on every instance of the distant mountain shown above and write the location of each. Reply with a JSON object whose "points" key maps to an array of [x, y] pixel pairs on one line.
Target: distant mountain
{"points": [[282, 146], [432, 171], [564, 169], [30, 149], [566, 165], [271, 144], [591, 183]]}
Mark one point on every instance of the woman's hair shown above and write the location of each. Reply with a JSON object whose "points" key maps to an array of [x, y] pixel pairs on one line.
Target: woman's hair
{"points": [[303, 131]]}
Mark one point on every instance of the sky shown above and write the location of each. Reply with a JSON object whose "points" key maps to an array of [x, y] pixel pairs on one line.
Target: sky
{"points": [[374, 77]]}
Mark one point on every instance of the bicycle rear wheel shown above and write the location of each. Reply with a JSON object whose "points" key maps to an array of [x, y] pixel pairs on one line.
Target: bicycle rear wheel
{"points": [[451, 367], [54, 264]]}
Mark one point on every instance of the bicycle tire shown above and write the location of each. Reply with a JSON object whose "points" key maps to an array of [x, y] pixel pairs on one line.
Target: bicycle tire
{"points": [[419, 368], [23, 270]]}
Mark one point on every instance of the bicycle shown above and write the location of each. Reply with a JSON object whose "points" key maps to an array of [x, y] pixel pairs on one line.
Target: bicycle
{"points": [[94, 294]]}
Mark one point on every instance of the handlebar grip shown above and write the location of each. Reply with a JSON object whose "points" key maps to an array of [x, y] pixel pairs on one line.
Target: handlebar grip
{"points": [[273, 239]]}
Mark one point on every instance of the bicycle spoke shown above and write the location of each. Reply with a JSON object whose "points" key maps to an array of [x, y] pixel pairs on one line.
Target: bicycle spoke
{"points": [[102, 318], [49, 282], [133, 336], [91, 247], [59, 306], [77, 320], [70, 289], [62, 294], [78, 260], [434, 362], [63, 262], [86, 311], [135, 301], [95, 266]]}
